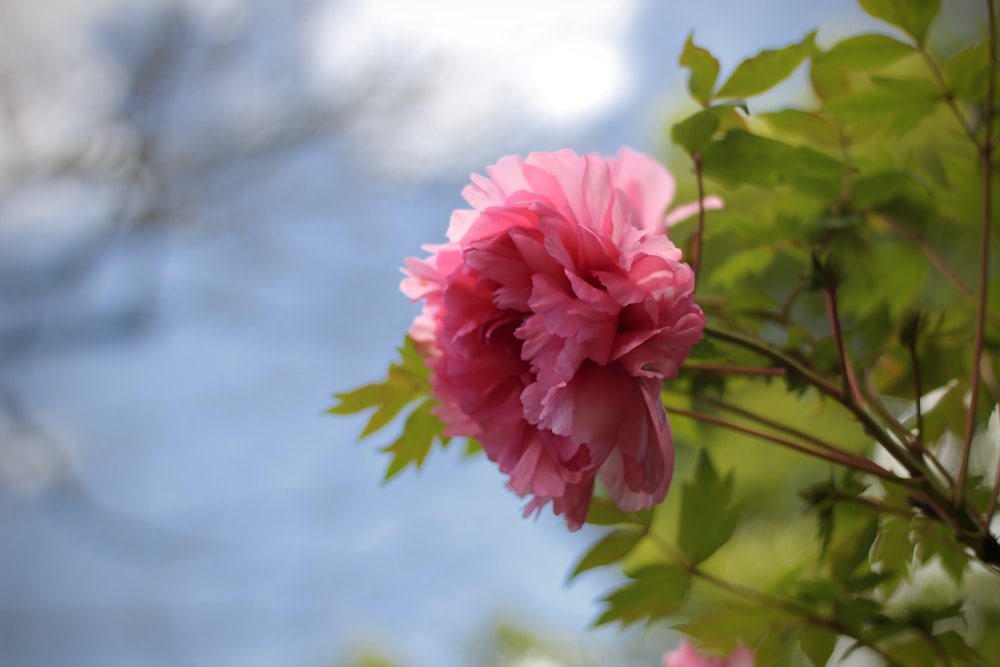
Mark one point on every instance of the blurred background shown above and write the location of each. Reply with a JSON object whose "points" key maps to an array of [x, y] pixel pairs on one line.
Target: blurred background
{"points": [[203, 211]]}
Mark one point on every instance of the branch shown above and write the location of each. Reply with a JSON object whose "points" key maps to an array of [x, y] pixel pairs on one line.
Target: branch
{"points": [[986, 157]]}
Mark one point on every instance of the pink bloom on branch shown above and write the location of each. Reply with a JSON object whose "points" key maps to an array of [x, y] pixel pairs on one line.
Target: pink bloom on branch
{"points": [[687, 656], [551, 316]]}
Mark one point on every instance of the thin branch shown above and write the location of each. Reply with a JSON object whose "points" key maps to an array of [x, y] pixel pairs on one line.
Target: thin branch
{"points": [[932, 255], [918, 390], [731, 370], [850, 383], [836, 456], [860, 412], [700, 232], [900, 430], [770, 423], [946, 94], [986, 156]]}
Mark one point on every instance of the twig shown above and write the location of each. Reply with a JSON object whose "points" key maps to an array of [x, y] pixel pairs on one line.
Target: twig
{"points": [[700, 232], [837, 456], [986, 155]]}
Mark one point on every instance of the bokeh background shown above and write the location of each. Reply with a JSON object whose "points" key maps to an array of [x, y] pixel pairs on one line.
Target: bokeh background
{"points": [[203, 211]]}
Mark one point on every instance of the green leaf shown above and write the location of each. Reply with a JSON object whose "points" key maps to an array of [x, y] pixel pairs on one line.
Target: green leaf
{"points": [[654, 592], [740, 266], [872, 190], [865, 52], [894, 550], [955, 646], [914, 17], [707, 519], [967, 73], [741, 157], [912, 653], [859, 613], [696, 131], [811, 126], [411, 448], [766, 69], [817, 644], [611, 548], [894, 104], [704, 70], [737, 623], [855, 530], [604, 512], [934, 539], [406, 382]]}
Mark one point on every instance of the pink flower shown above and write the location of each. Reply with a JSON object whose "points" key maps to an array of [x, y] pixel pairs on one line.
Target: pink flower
{"points": [[687, 656], [551, 316]]}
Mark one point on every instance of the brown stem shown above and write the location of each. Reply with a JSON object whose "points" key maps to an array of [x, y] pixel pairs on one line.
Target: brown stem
{"points": [[918, 390], [770, 423], [946, 94], [732, 370], [700, 232], [900, 430], [986, 157], [868, 423], [837, 456], [932, 255], [850, 383]]}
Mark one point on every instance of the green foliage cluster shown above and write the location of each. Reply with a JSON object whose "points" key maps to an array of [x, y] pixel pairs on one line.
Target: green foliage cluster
{"points": [[838, 440]]}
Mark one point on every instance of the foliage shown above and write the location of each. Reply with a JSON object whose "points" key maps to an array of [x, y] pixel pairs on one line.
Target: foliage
{"points": [[837, 454]]}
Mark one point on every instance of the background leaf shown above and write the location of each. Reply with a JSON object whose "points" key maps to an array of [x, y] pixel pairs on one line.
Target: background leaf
{"points": [[654, 592], [407, 381], [419, 433], [863, 52], [612, 547], [707, 516], [914, 17], [704, 70], [766, 69], [744, 158]]}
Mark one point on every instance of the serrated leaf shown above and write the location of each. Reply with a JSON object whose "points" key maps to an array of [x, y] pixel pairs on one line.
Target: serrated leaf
{"points": [[406, 381], [704, 70], [914, 17], [865, 52], [967, 73], [817, 644], [707, 518], [419, 433], [609, 549], [811, 126], [744, 158], [654, 592], [766, 69]]}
